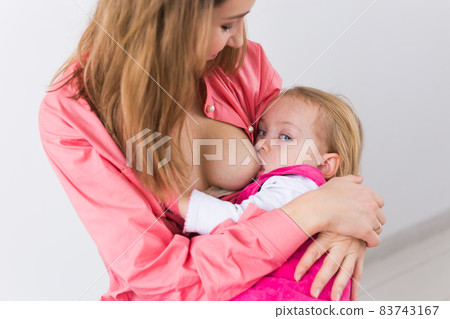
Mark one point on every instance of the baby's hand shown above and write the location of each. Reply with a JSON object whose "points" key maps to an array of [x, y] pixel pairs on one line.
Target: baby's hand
{"points": [[217, 192]]}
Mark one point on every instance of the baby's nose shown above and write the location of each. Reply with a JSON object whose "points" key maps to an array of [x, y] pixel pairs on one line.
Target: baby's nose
{"points": [[264, 145]]}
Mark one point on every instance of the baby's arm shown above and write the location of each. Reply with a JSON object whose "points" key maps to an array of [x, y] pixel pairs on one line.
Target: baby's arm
{"points": [[196, 207], [213, 191]]}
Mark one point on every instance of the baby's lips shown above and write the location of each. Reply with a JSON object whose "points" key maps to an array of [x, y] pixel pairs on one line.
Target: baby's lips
{"points": [[261, 171]]}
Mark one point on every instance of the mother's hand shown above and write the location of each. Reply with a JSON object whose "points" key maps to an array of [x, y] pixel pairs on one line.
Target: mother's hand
{"points": [[340, 206], [345, 256]]}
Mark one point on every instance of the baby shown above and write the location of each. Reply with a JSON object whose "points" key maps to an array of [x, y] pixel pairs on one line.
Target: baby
{"points": [[305, 138]]}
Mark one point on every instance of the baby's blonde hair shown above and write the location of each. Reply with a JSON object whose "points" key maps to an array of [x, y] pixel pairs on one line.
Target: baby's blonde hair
{"points": [[337, 126]]}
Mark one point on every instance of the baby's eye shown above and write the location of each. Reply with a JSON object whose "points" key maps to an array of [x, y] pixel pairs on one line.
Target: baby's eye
{"points": [[262, 133], [285, 137]]}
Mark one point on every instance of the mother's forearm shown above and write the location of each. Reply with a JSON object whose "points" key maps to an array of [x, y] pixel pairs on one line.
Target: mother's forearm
{"points": [[343, 206]]}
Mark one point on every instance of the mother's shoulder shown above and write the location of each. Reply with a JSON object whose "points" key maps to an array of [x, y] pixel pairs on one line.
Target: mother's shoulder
{"points": [[254, 50]]}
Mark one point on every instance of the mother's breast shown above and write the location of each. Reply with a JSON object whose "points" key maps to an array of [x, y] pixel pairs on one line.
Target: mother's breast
{"points": [[231, 161]]}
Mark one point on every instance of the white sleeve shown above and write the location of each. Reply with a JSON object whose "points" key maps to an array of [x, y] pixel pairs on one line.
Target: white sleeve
{"points": [[205, 212]]}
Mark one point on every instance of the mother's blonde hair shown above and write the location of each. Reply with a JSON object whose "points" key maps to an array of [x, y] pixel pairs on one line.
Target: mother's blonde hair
{"points": [[166, 39]]}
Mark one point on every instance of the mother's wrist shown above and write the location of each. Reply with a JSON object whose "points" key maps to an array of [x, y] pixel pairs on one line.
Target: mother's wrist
{"points": [[303, 211]]}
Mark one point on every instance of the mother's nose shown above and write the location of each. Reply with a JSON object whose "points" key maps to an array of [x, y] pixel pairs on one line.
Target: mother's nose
{"points": [[236, 40]]}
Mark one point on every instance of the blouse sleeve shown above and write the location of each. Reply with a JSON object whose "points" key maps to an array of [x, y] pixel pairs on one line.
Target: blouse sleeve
{"points": [[146, 261]]}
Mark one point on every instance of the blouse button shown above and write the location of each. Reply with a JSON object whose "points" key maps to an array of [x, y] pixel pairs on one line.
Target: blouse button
{"points": [[211, 108], [251, 129]]}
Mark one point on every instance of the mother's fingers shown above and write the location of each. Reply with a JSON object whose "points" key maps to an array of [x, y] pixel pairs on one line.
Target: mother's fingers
{"points": [[378, 199], [378, 229], [380, 203], [371, 238], [329, 267], [357, 276], [343, 276], [352, 178], [311, 255], [381, 216]]}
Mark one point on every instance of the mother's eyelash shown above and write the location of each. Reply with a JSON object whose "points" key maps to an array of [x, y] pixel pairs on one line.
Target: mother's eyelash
{"points": [[227, 28]]}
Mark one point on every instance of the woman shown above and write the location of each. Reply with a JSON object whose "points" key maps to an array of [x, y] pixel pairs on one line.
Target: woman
{"points": [[183, 69]]}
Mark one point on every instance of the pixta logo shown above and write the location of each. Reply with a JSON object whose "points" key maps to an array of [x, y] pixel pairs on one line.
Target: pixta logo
{"points": [[307, 152], [143, 146]]}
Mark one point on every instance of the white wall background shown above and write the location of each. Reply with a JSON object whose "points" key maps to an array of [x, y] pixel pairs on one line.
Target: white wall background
{"points": [[393, 64]]}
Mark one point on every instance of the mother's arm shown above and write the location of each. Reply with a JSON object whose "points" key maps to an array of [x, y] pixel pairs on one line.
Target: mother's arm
{"points": [[144, 259], [341, 206]]}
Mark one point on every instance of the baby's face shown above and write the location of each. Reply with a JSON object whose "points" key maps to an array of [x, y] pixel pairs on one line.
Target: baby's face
{"points": [[282, 132]]}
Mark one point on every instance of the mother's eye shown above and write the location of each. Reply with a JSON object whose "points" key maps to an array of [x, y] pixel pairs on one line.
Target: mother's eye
{"points": [[228, 28]]}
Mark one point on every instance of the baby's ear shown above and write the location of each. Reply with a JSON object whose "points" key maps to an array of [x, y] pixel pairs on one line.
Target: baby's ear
{"points": [[330, 165]]}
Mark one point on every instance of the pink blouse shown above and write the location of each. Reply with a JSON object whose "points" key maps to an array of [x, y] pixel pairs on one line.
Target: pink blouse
{"points": [[141, 246]]}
